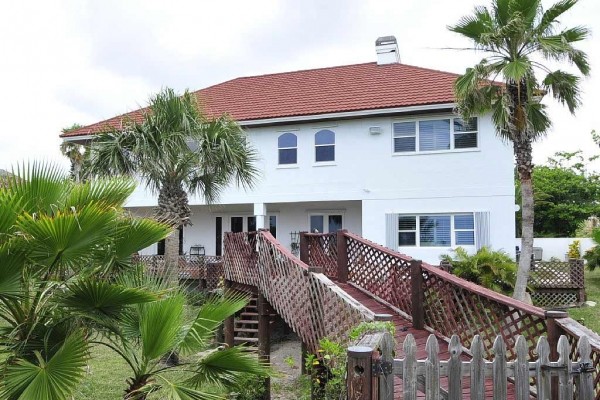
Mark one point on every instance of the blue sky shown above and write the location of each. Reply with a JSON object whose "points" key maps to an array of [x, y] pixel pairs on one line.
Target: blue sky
{"points": [[70, 61]]}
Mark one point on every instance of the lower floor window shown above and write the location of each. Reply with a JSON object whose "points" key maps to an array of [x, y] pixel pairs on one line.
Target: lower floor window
{"points": [[436, 230], [325, 223]]}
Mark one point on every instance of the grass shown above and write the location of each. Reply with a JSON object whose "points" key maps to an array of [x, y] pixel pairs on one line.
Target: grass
{"points": [[106, 376], [590, 316]]}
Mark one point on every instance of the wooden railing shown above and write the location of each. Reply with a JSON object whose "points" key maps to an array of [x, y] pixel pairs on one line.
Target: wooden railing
{"points": [[371, 370], [447, 305], [312, 305], [320, 250], [207, 269]]}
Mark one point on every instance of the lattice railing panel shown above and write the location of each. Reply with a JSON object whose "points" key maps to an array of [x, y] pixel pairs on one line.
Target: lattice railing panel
{"points": [[454, 306], [322, 252], [310, 303], [190, 266], [556, 274], [552, 298], [241, 258], [379, 271], [574, 330]]}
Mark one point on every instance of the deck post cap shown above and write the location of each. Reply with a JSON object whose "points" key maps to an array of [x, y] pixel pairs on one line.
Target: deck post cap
{"points": [[360, 352], [556, 314], [383, 317]]}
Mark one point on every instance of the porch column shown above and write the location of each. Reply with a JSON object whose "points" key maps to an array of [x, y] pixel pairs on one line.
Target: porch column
{"points": [[260, 212]]}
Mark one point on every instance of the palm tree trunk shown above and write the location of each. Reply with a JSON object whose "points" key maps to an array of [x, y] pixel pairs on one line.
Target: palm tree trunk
{"points": [[171, 272], [523, 155], [173, 209]]}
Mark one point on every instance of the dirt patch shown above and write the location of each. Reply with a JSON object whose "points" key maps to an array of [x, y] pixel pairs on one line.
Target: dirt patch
{"points": [[286, 360]]}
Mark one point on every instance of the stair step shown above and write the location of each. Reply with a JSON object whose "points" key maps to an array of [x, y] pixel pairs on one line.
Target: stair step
{"points": [[250, 330], [245, 339], [250, 314], [247, 321]]}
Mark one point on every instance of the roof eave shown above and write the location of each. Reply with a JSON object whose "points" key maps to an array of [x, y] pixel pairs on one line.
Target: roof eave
{"points": [[317, 117], [346, 114]]}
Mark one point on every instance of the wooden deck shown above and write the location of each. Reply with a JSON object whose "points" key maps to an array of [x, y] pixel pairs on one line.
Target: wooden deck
{"points": [[403, 328]]}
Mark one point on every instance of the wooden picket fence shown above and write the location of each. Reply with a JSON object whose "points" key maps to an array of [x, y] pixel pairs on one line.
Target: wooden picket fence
{"points": [[371, 370]]}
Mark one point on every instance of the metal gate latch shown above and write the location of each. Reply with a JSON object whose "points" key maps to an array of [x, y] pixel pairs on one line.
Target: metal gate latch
{"points": [[379, 367]]}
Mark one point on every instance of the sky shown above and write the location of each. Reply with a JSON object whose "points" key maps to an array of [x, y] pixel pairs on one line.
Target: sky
{"points": [[76, 61]]}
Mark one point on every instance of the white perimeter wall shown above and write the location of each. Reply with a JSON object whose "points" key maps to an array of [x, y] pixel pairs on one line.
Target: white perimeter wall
{"points": [[558, 247]]}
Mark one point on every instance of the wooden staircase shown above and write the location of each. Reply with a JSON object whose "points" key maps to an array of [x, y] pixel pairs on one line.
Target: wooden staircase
{"points": [[246, 325]]}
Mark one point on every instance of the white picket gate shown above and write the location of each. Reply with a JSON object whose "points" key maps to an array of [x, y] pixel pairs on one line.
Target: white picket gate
{"points": [[371, 371]]}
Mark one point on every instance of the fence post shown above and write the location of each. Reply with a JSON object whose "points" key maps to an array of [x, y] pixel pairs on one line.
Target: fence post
{"points": [[359, 373], [416, 309], [386, 380], [304, 248], [342, 256], [229, 323], [553, 332], [264, 345]]}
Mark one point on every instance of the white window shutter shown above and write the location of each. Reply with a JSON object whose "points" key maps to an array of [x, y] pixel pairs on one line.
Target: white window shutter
{"points": [[482, 229], [391, 231]]}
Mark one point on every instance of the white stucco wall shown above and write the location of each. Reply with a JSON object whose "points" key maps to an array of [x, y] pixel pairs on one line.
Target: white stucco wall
{"points": [[365, 169]]}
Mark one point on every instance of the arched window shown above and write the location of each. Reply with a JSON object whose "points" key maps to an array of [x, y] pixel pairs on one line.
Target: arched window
{"points": [[324, 146], [287, 145]]}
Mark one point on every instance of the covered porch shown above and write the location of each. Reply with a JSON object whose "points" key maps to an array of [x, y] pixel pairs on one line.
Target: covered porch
{"points": [[283, 220]]}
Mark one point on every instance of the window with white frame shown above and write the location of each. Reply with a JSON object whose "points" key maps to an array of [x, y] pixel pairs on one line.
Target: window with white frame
{"points": [[326, 223], [436, 230], [287, 145], [324, 146], [434, 134]]}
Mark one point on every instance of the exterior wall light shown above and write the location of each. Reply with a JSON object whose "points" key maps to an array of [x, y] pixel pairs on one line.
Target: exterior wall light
{"points": [[375, 130]]}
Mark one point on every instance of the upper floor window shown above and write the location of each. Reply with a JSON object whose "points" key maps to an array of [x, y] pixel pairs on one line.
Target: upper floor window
{"points": [[287, 145], [324, 145], [435, 135]]}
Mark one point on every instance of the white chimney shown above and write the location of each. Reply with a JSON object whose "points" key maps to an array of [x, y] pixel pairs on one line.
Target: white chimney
{"points": [[387, 50]]}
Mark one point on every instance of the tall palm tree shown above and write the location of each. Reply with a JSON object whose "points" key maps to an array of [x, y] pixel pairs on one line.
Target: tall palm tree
{"points": [[520, 41], [176, 151]]}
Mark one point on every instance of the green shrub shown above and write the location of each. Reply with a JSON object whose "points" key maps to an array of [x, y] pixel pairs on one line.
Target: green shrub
{"points": [[250, 387], [574, 251], [372, 327], [592, 256], [328, 371], [491, 269]]}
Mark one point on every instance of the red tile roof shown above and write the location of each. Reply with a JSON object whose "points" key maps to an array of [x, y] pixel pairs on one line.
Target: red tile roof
{"points": [[317, 91]]}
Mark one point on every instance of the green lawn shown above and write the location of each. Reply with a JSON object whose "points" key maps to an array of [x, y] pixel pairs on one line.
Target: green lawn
{"points": [[590, 315], [106, 376]]}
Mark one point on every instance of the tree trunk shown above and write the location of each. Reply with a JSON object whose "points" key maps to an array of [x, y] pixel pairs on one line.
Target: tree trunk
{"points": [[523, 155], [173, 209], [171, 272]]}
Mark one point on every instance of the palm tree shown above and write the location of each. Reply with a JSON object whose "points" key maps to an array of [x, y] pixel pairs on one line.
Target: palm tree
{"points": [[149, 330], [60, 242], [518, 36], [76, 154], [176, 151]]}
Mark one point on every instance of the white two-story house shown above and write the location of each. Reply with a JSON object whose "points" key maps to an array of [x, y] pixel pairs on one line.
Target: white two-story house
{"points": [[374, 148]]}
